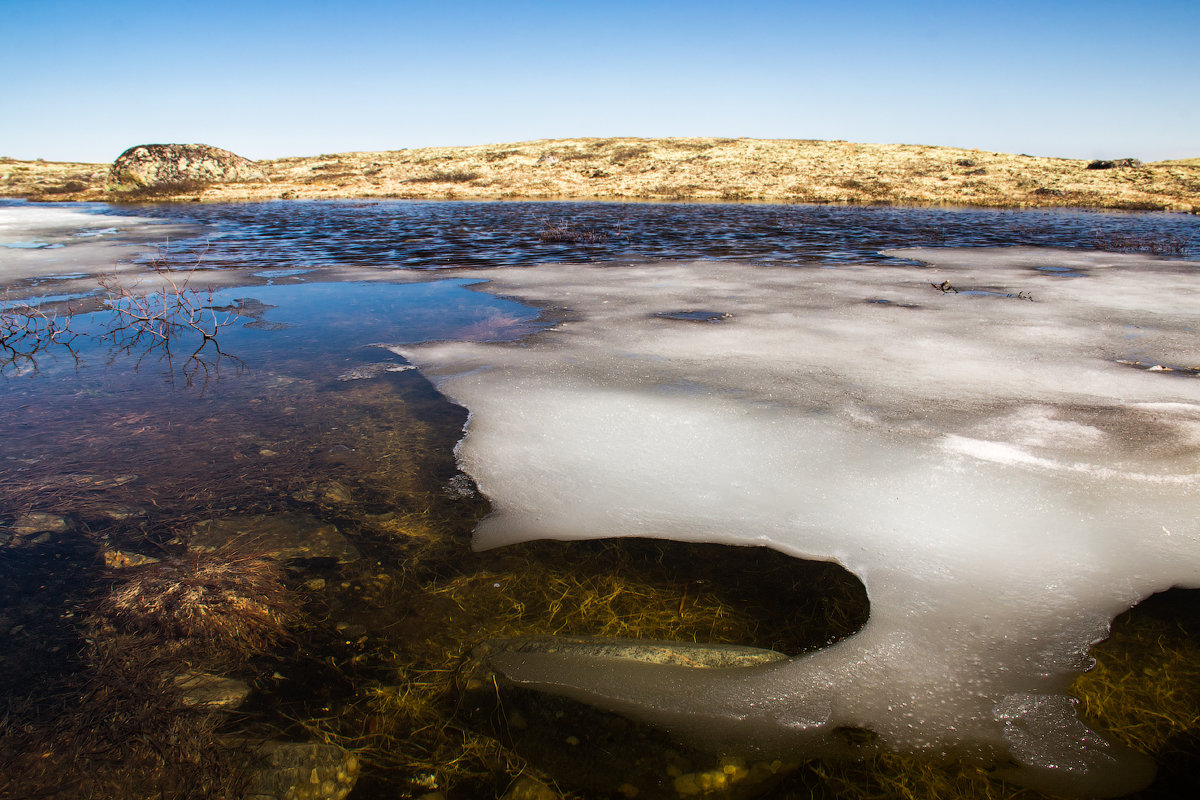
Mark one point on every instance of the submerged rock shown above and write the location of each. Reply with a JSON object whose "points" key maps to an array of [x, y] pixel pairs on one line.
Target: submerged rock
{"points": [[161, 165], [331, 492], [527, 788], [637, 762], [369, 371], [302, 771], [686, 654], [40, 522], [282, 536], [213, 692], [122, 559], [118, 512]]}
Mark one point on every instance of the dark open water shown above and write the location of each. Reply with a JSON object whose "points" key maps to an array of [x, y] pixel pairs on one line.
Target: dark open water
{"points": [[424, 235]]}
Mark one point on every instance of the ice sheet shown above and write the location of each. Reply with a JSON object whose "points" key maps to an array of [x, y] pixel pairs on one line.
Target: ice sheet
{"points": [[1005, 475], [67, 248]]}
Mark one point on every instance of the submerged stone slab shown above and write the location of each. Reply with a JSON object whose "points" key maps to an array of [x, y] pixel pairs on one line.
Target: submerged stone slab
{"points": [[123, 559], [281, 536], [40, 522], [701, 655], [214, 692]]}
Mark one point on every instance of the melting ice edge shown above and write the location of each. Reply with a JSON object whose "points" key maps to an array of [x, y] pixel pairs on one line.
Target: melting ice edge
{"points": [[992, 469]]}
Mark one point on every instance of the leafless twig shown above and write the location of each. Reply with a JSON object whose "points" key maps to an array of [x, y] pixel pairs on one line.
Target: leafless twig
{"points": [[150, 321], [27, 330]]}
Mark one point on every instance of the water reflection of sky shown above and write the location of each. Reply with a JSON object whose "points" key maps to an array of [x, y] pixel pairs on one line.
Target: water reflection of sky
{"points": [[312, 328]]}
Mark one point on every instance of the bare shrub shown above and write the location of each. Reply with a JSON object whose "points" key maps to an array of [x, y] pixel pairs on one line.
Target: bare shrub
{"points": [[575, 155], [165, 312], [70, 187], [445, 176], [149, 323], [628, 153], [500, 155], [27, 331], [563, 232]]}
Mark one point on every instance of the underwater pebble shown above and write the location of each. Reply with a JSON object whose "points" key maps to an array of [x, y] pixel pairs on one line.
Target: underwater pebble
{"points": [[302, 771], [530, 789], [120, 559]]}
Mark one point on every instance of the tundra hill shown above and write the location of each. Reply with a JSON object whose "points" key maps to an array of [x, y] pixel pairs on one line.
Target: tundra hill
{"points": [[702, 169]]}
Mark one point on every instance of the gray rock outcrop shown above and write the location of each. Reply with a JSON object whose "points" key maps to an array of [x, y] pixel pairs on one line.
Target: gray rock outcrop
{"points": [[155, 165], [1116, 163]]}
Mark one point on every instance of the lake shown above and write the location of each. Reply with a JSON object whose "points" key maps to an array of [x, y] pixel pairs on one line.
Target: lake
{"points": [[150, 467]]}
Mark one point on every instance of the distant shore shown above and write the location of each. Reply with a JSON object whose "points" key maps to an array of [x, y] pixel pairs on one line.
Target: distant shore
{"points": [[630, 169]]}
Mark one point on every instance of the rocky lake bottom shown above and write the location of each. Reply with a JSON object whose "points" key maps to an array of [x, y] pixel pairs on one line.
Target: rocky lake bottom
{"points": [[241, 564]]}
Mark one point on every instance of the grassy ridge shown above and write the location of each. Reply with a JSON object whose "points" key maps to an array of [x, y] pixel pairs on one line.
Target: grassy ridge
{"points": [[706, 169]]}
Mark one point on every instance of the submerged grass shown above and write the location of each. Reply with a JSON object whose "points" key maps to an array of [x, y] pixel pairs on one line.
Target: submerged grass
{"points": [[1145, 689], [223, 604], [413, 723]]}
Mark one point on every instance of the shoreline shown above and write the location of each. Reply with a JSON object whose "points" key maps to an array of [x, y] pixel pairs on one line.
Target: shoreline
{"points": [[700, 170]]}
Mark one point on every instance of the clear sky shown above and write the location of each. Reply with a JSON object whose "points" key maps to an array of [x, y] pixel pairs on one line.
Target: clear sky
{"points": [[81, 80]]}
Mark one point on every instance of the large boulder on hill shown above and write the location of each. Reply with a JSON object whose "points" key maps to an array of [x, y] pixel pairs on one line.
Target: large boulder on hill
{"points": [[159, 165], [1116, 163]]}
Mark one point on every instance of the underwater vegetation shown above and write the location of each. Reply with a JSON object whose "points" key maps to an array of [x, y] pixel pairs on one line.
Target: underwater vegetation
{"points": [[223, 603]]}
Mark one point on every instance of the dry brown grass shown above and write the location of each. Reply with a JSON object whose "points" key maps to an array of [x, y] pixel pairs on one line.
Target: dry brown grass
{"points": [[51, 180], [222, 604], [705, 169]]}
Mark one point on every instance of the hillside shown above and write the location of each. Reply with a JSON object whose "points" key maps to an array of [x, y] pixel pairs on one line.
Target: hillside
{"points": [[706, 169]]}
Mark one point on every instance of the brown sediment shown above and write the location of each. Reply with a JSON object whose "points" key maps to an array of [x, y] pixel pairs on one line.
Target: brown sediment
{"points": [[675, 169]]}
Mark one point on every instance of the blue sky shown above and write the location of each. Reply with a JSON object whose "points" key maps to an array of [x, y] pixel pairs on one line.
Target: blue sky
{"points": [[85, 80]]}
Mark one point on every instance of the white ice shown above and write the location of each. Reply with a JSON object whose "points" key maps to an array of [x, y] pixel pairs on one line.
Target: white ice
{"points": [[51, 252], [1001, 483], [67, 248]]}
